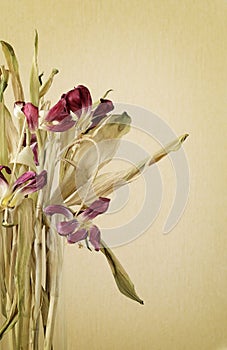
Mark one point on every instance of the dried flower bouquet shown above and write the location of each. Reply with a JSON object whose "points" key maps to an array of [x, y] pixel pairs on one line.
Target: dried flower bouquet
{"points": [[51, 190]]}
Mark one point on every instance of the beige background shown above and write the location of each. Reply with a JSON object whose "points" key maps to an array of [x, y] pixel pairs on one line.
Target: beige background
{"points": [[168, 56]]}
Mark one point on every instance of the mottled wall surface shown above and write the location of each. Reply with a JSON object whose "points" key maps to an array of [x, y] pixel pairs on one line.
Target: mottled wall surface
{"points": [[168, 56]]}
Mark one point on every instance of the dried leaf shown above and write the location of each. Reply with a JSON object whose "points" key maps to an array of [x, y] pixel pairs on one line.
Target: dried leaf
{"points": [[44, 307], [11, 320], [46, 86], [4, 76], [106, 183], [3, 149], [121, 277], [34, 77], [92, 153], [14, 70], [10, 133], [3, 289], [25, 239], [26, 157]]}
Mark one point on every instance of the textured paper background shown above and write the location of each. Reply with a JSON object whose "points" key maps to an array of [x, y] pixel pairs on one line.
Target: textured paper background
{"points": [[169, 57]]}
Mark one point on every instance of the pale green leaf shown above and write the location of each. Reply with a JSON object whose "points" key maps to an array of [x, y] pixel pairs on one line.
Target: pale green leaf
{"points": [[34, 77], [121, 277], [14, 70]]}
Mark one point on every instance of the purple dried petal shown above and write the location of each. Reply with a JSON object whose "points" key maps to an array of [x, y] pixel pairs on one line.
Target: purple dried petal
{"points": [[35, 184], [79, 235], [97, 207], [65, 228], [78, 100], [29, 175], [101, 111], [34, 148], [64, 125], [58, 112], [95, 237], [58, 209], [32, 114], [103, 108]]}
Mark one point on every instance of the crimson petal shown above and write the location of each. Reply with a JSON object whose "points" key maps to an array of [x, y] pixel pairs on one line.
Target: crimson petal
{"points": [[78, 100], [58, 112], [31, 113]]}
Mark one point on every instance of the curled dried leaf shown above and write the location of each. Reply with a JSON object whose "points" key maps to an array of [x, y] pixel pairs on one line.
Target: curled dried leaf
{"points": [[46, 86], [14, 70], [106, 183]]}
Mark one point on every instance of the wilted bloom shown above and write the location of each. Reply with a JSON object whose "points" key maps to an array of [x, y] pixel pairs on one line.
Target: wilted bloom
{"points": [[78, 100], [59, 118], [26, 184], [32, 115], [82, 227]]}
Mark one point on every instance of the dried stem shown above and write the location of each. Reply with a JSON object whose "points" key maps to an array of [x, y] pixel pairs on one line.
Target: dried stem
{"points": [[53, 277]]}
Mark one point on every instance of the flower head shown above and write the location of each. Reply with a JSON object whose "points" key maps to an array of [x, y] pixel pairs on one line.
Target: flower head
{"points": [[58, 118], [31, 113], [29, 182], [78, 100], [81, 228]]}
